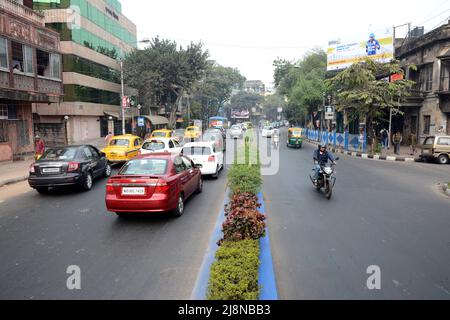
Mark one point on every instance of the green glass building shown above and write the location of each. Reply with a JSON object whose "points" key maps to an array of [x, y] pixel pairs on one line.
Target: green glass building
{"points": [[94, 36]]}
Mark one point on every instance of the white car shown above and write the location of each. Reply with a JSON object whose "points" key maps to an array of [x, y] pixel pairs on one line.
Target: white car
{"points": [[160, 145], [205, 154], [268, 132], [236, 132]]}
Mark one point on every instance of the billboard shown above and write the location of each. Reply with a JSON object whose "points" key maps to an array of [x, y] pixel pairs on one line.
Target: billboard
{"points": [[377, 45], [242, 114]]}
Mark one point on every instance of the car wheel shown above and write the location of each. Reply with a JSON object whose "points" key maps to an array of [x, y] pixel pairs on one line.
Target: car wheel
{"points": [[179, 210], [216, 175], [42, 190], [87, 182], [107, 172], [200, 185], [443, 159]]}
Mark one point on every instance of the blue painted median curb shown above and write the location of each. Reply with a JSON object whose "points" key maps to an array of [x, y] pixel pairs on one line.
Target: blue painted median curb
{"points": [[266, 274], [201, 285]]}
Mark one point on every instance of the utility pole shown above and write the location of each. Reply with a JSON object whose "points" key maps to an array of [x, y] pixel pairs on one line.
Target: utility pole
{"points": [[123, 95]]}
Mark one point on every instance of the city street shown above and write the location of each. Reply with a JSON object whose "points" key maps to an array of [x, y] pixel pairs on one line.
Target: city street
{"points": [[381, 213], [143, 257]]}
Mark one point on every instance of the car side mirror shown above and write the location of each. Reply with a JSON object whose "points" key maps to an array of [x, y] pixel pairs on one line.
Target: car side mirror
{"points": [[103, 154]]}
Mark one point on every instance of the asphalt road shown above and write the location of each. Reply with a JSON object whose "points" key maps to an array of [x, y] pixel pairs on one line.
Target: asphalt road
{"points": [[382, 213], [151, 257]]}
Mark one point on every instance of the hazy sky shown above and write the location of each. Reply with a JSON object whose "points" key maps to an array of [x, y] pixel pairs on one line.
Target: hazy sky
{"points": [[250, 34]]}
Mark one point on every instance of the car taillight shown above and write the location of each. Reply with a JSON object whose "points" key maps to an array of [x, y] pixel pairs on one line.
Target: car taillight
{"points": [[212, 158], [109, 188], [32, 170], [162, 187], [73, 166]]}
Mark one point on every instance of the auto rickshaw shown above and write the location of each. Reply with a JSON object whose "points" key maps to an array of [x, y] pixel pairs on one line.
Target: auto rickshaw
{"points": [[294, 137]]}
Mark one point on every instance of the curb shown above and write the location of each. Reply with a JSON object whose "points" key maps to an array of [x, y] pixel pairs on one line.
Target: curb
{"points": [[266, 273], [201, 284], [366, 155], [13, 180]]}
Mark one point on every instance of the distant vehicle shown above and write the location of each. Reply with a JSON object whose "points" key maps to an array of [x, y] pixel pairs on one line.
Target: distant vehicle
{"points": [[164, 133], [68, 166], [122, 148], [207, 155], [159, 182], [158, 145], [268, 131], [178, 135], [216, 122], [236, 132], [436, 148], [216, 137], [192, 132]]}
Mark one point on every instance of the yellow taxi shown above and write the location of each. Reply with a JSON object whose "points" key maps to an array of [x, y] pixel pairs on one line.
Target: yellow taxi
{"points": [[123, 148], [192, 132], [164, 133]]}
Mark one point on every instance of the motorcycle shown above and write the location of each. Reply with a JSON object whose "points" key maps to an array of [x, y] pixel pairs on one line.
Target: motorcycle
{"points": [[276, 142], [326, 179]]}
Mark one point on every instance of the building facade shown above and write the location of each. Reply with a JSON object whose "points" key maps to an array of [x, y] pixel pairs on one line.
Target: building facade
{"points": [[427, 110], [95, 35], [255, 86], [30, 72]]}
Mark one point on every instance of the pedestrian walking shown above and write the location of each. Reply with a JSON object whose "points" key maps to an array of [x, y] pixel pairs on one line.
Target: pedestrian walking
{"points": [[413, 143], [397, 140], [108, 138], [39, 147], [384, 138]]}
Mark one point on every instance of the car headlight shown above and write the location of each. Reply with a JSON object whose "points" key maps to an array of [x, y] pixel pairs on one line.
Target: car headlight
{"points": [[328, 170]]}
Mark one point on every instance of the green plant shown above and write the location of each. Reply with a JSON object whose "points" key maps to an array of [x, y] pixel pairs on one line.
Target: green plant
{"points": [[244, 178], [243, 220], [234, 274], [377, 148]]}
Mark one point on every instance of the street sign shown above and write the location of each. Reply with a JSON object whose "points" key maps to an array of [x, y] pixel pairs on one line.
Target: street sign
{"points": [[329, 113], [124, 102], [140, 122]]}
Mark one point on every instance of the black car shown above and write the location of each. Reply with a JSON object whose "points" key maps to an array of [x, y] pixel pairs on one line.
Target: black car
{"points": [[68, 166]]}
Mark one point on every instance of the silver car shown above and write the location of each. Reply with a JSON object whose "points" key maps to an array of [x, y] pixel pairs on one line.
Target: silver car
{"points": [[236, 132]]}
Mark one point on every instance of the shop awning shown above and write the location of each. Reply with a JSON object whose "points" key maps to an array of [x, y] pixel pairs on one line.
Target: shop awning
{"points": [[157, 120], [112, 114]]}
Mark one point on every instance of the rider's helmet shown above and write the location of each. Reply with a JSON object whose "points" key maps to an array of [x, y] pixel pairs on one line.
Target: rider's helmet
{"points": [[322, 146]]}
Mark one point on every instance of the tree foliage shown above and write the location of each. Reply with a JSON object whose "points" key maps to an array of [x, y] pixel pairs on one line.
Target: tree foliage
{"points": [[365, 93], [163, 72]]}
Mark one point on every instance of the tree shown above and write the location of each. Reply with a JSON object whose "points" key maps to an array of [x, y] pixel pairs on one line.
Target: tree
{"points": [[214, 89], [363, 91], [302, 83], [163, 72], [271, 104]]}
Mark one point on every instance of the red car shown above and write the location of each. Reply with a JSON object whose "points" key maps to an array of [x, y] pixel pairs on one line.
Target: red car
{"points": [[157, 182]]}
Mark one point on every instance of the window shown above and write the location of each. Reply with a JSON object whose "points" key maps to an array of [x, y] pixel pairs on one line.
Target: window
{"points": [[3, 111], [60, 154], [120, 142], [413, 124], [137, 142], [171, 145], [187, 163], [426, 124], [145, 166], [197, 151], [3, 53], [179, 165], [28, 60], [87, 152], [153, 145], [17, 56], [444, 142], [427, 77], [428, 141], [48, 64]]}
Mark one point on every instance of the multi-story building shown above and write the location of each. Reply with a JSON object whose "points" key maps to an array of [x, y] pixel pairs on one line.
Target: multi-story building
{"points": [[95, 35], [255, 86], [30, 72], [427, 110]]}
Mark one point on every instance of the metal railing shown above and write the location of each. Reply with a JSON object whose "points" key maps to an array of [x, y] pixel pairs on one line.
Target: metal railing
{"points": [[22, 11]]}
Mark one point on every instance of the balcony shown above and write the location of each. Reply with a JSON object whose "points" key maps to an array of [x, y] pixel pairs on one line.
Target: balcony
{"points": [[20, 10]]}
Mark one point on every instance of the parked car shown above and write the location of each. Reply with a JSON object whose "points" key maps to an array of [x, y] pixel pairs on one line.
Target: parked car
{"points": [[436, 148], [268, 131], [158, 182], [68, 166], [164, 133], [207, 155], [217, 138], [122, 148], [178, 135], [158, 145], [236, 132]]}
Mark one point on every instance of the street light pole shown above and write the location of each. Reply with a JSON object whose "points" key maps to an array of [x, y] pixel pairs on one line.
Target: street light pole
{"points": [[122, 95]]}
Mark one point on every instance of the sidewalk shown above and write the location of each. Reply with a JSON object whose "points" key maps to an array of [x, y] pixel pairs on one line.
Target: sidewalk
{"points": [[388, 155], [12, 172]]}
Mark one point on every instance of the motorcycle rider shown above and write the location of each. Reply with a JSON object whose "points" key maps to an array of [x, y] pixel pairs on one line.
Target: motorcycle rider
{"points": [[276, 138], [321, 157]]}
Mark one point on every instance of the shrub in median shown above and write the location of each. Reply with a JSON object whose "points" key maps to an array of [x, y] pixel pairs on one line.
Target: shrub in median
{"points": [[244, 178], [243, 220], [234, 274]]}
